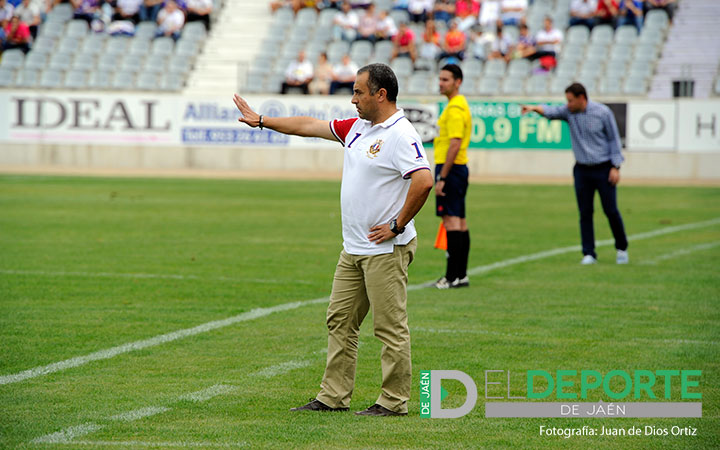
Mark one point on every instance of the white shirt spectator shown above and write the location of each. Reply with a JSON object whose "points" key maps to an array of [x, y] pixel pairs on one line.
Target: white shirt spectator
{"points": [[514, 15], [387, 27], [367, 24], [170, 22], [129, 7], [344, 72], [583, 7], [349, 20], [198, 4], [418, 6], [489, 13], [6, 12], [299, 71], [501, 45], [29, 13], [546, 36]]}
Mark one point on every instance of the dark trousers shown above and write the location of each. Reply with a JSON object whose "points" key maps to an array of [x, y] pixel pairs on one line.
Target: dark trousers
{"points": [[589, 179]]}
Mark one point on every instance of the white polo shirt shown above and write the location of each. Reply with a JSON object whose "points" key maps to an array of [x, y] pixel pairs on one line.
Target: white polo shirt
{"points": [[376, 178]]}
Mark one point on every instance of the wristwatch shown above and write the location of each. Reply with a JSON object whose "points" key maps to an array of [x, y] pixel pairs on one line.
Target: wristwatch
{"points": [[440, 178], [394, 227]]}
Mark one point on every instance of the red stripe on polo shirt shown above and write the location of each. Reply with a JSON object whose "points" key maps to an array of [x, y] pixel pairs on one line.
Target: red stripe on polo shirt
{"points": [[340, 128]]}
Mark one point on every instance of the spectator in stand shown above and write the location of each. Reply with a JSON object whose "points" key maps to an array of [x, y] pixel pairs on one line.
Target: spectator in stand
{"points": [[87, 10], [345, 23], [607, 12], [404, 42], [320, 85], [455, 42], [631, 13], [525, 46], [150, 9], [420, 10], [298, 74], [343, 75], [170, 21], [6, 10], [401, 5], [467, 13], [489, 14], [547, 40], [667, 5], [17, 35], [513, 11], [296, 5], [327, 4], [481, 43], [367, 25], [583, 12], [29, 13], [430, 47], [500, 46], [444, 10], [199, 11], [127, 10], [386, 28]]}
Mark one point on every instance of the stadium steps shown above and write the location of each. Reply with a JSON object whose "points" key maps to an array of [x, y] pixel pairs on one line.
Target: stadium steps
{"points": [[691, 50], [233, 43]]}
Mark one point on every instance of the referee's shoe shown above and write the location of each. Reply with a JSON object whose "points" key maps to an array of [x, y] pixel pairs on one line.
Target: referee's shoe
{"points": [[443, 283]]}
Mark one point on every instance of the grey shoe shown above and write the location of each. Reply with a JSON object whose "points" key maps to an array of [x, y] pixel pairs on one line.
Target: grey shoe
{"points": [[622, 257], [588, 259]]}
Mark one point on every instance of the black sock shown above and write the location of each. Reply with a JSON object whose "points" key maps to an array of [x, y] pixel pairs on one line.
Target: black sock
{"points": [[454, 248], [463, 254]]}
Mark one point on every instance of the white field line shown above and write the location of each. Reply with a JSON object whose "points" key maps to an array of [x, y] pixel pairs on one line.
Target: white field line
{"points": [[207, 394], [151, 342], [262, 312], [147, 276], [682, 252], [141, 413], [67, 435]]}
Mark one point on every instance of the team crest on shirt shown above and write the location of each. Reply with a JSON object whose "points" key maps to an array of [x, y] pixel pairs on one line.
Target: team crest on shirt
{"points": [[374, 149]]}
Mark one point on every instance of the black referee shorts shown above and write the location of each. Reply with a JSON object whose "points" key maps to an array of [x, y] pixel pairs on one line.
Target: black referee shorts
{"points": [[456, 185]]}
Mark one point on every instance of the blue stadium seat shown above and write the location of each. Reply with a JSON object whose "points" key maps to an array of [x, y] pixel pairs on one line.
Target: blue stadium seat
{"points": [[12, 59], [488, 86], [51, 79], [75, 79]]}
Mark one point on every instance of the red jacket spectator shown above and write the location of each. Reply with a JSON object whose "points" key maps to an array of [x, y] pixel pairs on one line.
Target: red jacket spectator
{"points": [[17, 35], [607, 11]]}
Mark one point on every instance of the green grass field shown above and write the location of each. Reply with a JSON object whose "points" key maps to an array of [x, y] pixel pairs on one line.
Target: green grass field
{"points": [[89, 264]]}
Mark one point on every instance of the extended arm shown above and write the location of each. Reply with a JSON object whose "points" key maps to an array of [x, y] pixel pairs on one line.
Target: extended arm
{"points": [[298, 126], [421, 183]]}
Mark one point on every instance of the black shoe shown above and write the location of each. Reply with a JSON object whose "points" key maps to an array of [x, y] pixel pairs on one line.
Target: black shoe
{"points": [[460, 282], [317, 405], [378, 410]]}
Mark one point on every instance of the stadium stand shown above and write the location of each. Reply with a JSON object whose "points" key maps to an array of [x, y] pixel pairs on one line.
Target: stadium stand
{"points": [[609, 61], [79, 54]]}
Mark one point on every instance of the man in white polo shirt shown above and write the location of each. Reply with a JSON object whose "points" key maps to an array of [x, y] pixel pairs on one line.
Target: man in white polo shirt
{"points": [[386, 180]]}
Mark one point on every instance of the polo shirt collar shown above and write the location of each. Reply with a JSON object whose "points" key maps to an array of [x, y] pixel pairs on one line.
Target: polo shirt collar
{"points": [[392, 119]]}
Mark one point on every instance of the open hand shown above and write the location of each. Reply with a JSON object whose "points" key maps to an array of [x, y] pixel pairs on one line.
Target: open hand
{"points": [[249, 117]]}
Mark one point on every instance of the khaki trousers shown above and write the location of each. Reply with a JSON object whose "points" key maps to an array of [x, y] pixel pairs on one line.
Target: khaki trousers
{"points": [[363, 282]]}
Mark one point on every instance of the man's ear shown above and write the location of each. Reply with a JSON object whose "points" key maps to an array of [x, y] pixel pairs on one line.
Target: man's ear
{"points": [[382, 94]]}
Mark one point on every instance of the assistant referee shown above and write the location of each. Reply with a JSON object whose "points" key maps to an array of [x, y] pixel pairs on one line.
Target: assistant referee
{"points": [[451, 176]]}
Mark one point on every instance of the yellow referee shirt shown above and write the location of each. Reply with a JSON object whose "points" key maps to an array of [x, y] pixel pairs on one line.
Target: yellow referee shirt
{"points": [[454, 122]]}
